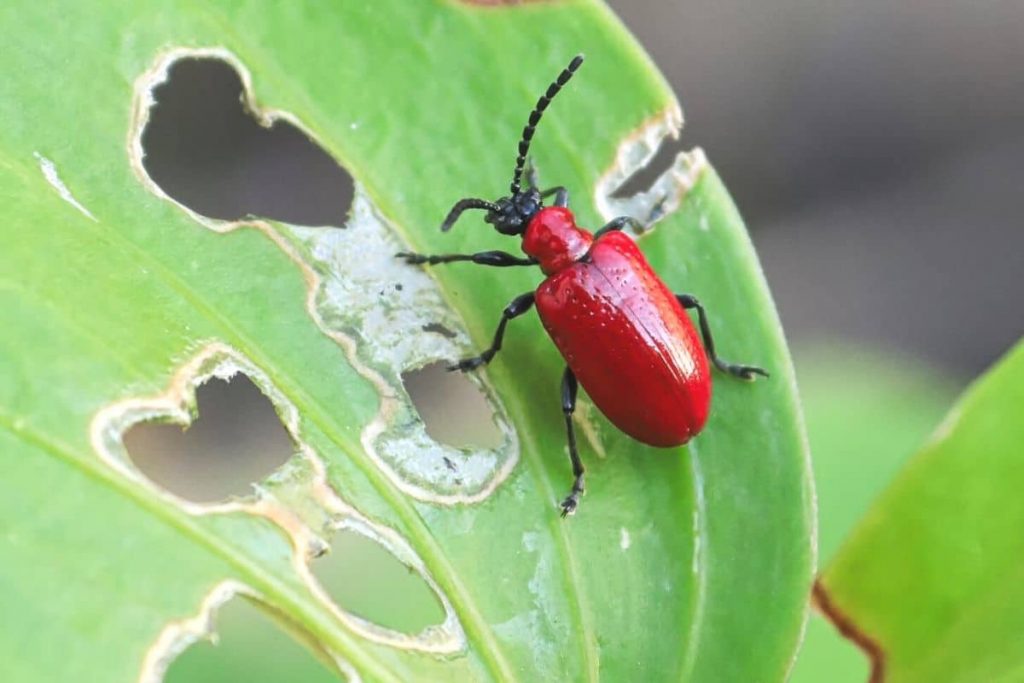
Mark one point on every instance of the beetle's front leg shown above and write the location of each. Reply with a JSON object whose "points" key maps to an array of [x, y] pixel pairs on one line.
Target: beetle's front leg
{"points": [[521, 304], [746, 372], [561, 195], [620, 223], [657, 211], [499, 259]]}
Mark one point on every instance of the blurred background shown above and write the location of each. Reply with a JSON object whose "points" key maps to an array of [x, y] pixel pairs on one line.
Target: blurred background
{"points": [[876, 150]]}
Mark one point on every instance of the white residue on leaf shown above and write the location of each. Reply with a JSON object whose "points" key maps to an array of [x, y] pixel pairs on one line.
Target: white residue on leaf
{"points": [[50, 173], [367, 295], [624, 540], [638, 149], [536, 626]]}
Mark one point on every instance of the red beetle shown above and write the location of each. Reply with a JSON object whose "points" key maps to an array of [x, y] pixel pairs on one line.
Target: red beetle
{"points": [[624, 335]]}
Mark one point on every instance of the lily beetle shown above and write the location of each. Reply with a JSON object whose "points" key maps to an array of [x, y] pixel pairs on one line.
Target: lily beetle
{"points": [[624, 335]]}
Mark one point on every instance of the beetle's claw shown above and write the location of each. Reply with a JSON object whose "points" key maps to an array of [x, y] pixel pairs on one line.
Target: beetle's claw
{"points": [[570, 504], [745, 372], [749, 372], [467, 364], [411, 258]]}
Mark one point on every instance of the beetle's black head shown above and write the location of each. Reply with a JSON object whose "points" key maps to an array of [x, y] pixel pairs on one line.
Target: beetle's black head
{"points": [[510, 215]]}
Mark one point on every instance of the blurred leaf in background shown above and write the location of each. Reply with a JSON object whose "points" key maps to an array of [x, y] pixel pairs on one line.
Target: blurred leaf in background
{"points": [[866, 413], [931, 575]]}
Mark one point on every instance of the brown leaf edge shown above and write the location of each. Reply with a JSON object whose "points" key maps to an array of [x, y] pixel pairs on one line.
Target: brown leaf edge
{"points": [[844, 624]]}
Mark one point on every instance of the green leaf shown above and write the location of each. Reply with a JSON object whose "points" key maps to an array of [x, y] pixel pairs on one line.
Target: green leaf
{"points": [[866, 414], [115, 302], [927, 579]]}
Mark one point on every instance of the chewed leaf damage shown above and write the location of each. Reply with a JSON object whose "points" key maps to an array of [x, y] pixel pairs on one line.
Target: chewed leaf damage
{"points": [[375, 307], [637, 150], [367, 294], [180, 634], [296, 497]]}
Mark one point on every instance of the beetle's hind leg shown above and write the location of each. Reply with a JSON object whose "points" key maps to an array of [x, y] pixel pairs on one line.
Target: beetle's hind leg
{"points": [[569, 388], [746, 372], [521, 304]]}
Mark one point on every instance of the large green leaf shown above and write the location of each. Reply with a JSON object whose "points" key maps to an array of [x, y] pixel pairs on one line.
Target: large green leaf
{"points": [[691, 563], [929, 580]]}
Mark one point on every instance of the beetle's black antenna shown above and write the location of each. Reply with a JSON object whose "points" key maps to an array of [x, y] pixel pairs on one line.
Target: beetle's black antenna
{"points": [[538, 111], [461, 206]]}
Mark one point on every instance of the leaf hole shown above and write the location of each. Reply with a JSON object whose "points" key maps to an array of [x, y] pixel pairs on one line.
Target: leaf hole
{"points": [[645, 176], [452, 407], [207, 152], [367, 580], [651, 173], [249, 647], [236, 439]]}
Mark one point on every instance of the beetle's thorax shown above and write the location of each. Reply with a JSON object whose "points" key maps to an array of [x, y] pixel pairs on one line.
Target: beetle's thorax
{"points": [[554, 240]]}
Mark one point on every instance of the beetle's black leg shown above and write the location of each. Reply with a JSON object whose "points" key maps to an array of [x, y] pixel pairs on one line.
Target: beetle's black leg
{"points": [[521, 304], [499, 259], [561, 195], [742, 371], [657, 211], [619, 223], [568, 408]]}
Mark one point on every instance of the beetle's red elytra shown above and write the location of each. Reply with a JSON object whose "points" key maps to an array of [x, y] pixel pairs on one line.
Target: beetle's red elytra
{"points": [[624, 335]]}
